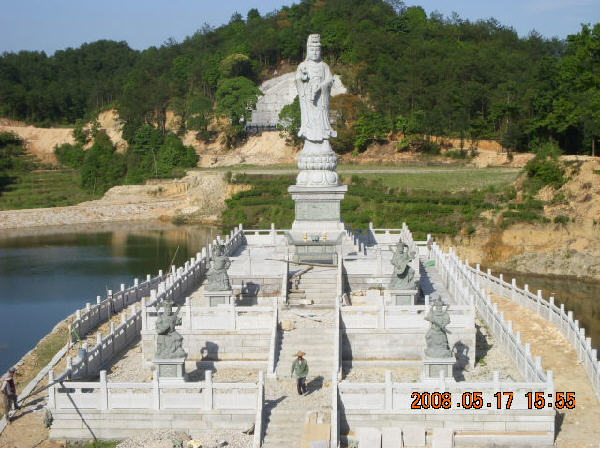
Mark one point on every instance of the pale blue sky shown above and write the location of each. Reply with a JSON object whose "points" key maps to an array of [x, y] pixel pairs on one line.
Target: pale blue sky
{"points": [[56, 24]]}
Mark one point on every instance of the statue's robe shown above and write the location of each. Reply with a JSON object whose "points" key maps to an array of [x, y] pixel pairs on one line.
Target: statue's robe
{"points": [[314, 100]]}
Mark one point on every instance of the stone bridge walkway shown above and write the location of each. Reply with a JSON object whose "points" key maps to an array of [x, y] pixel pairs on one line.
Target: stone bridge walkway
{"points": [[579, 427]]}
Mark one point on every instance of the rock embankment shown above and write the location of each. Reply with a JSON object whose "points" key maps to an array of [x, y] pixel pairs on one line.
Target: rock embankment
{"points": [[198, 197]]}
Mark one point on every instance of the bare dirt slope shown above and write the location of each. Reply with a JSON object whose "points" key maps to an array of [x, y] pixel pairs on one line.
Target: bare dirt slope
{"points": [[41, 141], [565, 248], [265, 149], [199, 197]]}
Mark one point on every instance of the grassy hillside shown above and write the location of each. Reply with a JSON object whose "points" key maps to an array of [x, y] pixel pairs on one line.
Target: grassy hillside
{"points": [[428, 201]]}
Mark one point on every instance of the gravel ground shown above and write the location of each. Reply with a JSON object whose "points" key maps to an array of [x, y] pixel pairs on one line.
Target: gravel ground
{"points": [[227, 375], [377, 374], [489, 358], [130, 368], [205, 439]]}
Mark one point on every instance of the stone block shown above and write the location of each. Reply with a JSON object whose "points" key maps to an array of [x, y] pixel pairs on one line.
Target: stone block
{"points": [[442, 438], [413, 436], [368, 437], [391, 437], [494, 426]]}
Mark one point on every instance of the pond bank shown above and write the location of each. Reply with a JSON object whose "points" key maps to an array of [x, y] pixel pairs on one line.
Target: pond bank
{"points": [[199, 197]]}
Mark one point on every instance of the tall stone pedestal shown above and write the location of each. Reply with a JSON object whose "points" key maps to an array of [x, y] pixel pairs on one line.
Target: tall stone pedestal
{"points": [[318, 209], [433, 367], [170, 369]]}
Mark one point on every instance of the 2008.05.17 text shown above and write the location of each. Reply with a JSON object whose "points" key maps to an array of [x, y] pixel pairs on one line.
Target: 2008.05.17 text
{"points": [[501, 400]]}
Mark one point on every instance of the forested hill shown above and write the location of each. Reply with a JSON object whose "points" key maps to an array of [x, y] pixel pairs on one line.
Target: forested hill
{"points": [[405, 72]]}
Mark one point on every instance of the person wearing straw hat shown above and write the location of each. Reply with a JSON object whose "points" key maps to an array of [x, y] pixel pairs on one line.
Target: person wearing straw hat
{"points": [[10, 393], [300, 370]]}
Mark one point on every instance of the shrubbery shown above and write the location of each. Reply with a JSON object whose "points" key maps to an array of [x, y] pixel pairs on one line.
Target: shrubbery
{"points": [[545, 169], [151, 154], [70, 155]]}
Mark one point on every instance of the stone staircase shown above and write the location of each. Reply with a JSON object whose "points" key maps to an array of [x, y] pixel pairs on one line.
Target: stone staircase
{"points": [[317, 286], [317, 343], [286, 412]]}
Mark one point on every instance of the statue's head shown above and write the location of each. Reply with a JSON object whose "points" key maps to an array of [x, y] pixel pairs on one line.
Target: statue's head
{"points": [[219, 249], [313, 47], [438, 304], [168, 307]]}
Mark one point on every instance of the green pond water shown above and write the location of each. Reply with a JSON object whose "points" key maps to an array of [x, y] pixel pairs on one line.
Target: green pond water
{"points": [[44, 277], [581, 297]]}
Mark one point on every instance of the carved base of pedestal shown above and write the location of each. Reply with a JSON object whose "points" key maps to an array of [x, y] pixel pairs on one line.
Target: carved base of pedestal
{"points": [[170, 369], [434, 368], [401, 297], [318, 209], [216, 298]]}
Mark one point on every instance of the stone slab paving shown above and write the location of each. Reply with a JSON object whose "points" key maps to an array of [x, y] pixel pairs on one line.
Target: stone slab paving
{"points": [[579, 427], [431, 281], [286, 411]]}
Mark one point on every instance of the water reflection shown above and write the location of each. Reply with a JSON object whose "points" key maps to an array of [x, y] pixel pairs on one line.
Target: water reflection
{"points": [[581, 297], [46, 276]]}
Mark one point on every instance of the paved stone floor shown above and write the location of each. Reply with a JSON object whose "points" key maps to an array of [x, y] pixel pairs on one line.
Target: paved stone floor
{"points": [[579, 427]]}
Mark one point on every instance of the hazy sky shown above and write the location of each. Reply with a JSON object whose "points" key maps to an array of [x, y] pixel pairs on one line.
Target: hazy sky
{"points": [[56, 24]]}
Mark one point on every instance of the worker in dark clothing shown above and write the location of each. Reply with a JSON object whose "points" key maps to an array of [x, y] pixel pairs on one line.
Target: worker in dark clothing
{"points": [[10, 393]]}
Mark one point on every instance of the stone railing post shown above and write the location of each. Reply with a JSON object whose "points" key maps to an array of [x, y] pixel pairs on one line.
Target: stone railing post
{"points": [[389, 397], [144, 316], [381, 315], [103, 391], [51, 391], [188, 310], [233, 323], [155, 391], [208, 391]]}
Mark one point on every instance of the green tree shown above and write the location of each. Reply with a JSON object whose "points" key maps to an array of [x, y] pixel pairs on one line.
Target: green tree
{"points": [[102, 166], [173, 154], [236, 97], [578, 104], [290, 121], [371, 127], [70, 155]]}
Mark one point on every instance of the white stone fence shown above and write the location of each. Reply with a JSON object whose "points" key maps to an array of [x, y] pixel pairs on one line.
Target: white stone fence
{"points": [[376, 236], [384, 316], [272, 364], [465, 287], [222, 317], [550, 311], [91, 316], [265, 237], [335, 418], [397, 397], [90, 361], [105, 396]]}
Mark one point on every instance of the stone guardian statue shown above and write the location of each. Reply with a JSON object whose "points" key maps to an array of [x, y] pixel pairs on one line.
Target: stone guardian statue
{"points": [[169, 343], [437, 336], [217, 277], [404, 276], [317, 161]]}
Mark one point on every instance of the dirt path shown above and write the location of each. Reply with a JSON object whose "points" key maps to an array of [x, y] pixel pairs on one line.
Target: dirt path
{"points": [[579, 427], [27, 428], [407, 170]]}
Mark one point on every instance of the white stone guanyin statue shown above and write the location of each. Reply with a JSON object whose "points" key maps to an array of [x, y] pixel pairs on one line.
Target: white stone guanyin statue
{"points": [[317, 161]]}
